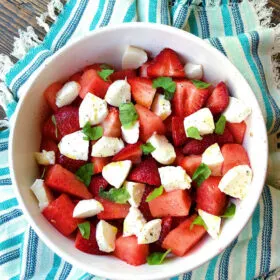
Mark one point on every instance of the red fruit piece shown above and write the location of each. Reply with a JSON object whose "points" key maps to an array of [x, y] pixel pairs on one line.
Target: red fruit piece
{"points": [[112, 124], [146, 172], [144, 206], [122, 74], [142, 91], [168, 126], [225, 138], [234, 154], [60, 214], [219, 99], [166, 63], [174, 203], [112, 210], [131, 152], [99, 163], [67, 120], [237, 130], [76, 77], [62, 180], [209, 197], [49, 145], [179, 156], [128, 250], [70, 164], [97, 66], [181, 239], [149, 123], [49, 130], [90, 245], [93, 83], [180, 95], [50, 94], [191, 163], [97, 182], [178, 131], [143, 70]]}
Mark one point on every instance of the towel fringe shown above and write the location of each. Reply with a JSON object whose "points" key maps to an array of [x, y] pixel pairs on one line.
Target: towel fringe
{"points": [[5, 65], [41, 21], [53, 7], [263, 11], [6, 96], [276, 56]]}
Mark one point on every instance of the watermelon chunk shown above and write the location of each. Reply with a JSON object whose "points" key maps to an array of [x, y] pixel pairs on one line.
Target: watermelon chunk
{"points": [[50, 94], [99, 163], [191, 163], [122, 74], [238, 131], [131, 152], [112, 124]]}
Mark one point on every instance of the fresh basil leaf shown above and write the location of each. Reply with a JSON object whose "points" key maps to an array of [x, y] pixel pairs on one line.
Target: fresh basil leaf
{"points": [[147, 148], [105, 73], [84, 229], [198, 221], [154, 194], [157, 258], [220, 125], [168, 95], [85, 172], [92, 133], [43, 173], [120, 195], [128, 114], [55, 125], [200, 84], [193, 132], [201, 173], [230, 211], [105, 66], [167, 84]]}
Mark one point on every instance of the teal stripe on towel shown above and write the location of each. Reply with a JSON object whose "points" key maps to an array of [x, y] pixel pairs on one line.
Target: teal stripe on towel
{"points": [[153, 11]]}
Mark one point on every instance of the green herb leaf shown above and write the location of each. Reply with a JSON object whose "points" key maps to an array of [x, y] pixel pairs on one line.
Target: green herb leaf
{"points": [[128, 114], [230, 211], [105, 73], [157, 258], [198, 221], [55, 125], [92, 133], [154, 194], [220, 125], [84, 229], [167, 84], [201, 174], [147, 148], [200, 84], [105, 66], [43, 173], [193, 132], [85, 172], [120, 195]]}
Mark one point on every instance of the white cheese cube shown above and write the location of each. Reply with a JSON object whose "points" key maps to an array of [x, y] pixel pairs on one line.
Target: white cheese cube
{"points": [[92, 109], [213, 157], [202, 120], [42, 193], [133, 222], [118, 93], [212, 222], [164, 152], [131, 135], [161, 106], [45, 158], [67, 94], [237, 111], [236, 181], [150, 232], [174, 178], [107, 146], [87, 208], [106, 236], [136, 191], [115, 173], [133, 58], [193, 71], [74, 146]]}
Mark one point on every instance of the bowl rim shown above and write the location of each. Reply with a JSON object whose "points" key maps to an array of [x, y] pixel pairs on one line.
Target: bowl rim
{"points": [[43, 236]]}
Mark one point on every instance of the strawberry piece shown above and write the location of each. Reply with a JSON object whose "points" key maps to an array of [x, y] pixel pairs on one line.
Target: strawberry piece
{"points": [[99, 163], [219, 99], [69, 163], [234, 155], [237, 130], [49, 130], [97, 182], [225, 138], [149, 123], [93, 83], [122, 74], [131, 152], [209, 197], [128, 250], [76, 77], [178, 131], [146, 172], [168, 126], [59, 213], [67, 120], [142, 91], [181, 239], [112, 210], [62, 180], [180, 95], [166, 63], [112, 124], [179, 156], [144, 206], [50, 94], [191, 163], [97, 66], [49, 145], [174, 203], [143, 70]]}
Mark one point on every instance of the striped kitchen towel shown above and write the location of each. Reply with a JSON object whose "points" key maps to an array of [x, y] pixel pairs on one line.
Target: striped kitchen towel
{"points": [[241, 30]]}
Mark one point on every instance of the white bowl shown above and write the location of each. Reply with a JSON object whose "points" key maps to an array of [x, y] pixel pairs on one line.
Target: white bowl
{"points": [[107, 45]]}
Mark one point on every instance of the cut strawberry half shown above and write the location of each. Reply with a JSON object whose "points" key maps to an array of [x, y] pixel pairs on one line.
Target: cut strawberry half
{"points": [[166, 63], [112, 124], [97, 182], [49, 130], [179, 156], [49, 145], [131, 152], [70, 164], [123, 74], [50, 94], [237, 130], [168, 126], [178, 131], [178, 101], [144, 206], [99, 163], [143, 70]]}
